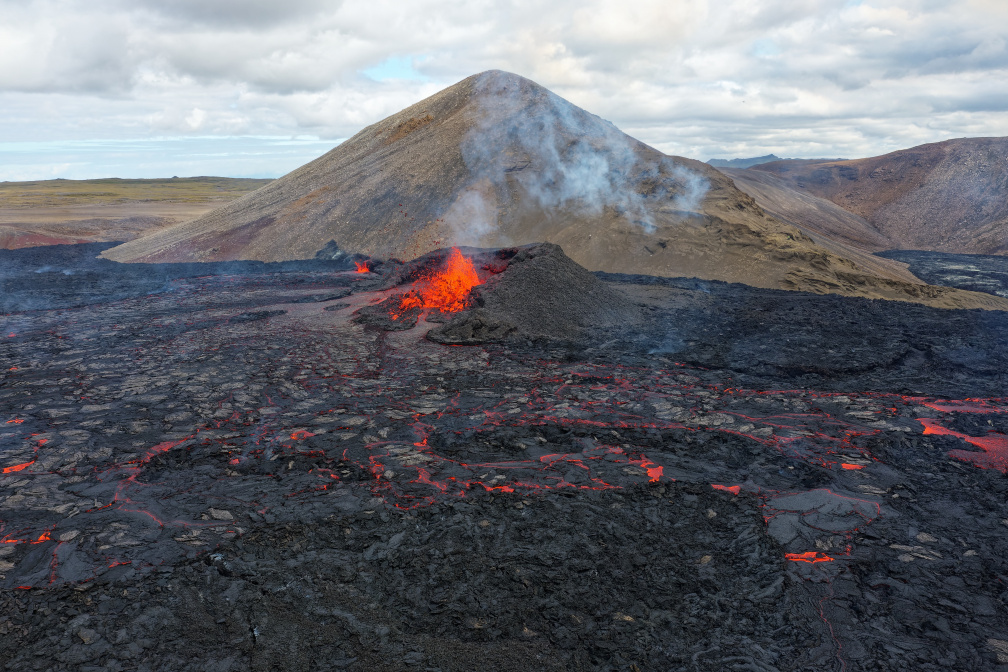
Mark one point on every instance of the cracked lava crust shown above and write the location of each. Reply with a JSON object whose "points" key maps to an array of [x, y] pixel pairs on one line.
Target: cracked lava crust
{"points": [[305, 470]]}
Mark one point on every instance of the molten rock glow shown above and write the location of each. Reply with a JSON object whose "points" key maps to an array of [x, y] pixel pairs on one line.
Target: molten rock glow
{"points": [[446, 290]]}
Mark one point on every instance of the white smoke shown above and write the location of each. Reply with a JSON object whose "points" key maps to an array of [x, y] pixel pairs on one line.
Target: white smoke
{"points": [[693, 187], [472, 218], [562, 157]]}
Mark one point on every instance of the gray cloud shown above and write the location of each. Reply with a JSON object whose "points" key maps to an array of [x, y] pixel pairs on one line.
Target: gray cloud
{"points": [[690, 77], [227, 14]]}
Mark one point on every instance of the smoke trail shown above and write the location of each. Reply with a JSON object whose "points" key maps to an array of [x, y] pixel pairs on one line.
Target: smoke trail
{"points": [[561, 157], [473, 215], [692, 188]]}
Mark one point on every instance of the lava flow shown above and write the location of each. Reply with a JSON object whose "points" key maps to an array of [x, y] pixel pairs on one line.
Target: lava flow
{"points": [[994, 446], [161, 450], [811, 557], [362, 267], [446, 290]]}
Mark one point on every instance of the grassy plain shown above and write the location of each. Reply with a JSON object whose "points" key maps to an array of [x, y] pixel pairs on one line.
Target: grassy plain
{"points": [[115, 191], [47, 212]]}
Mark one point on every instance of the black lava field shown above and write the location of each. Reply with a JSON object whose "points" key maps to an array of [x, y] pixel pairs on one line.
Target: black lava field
{"points": [[975, 272], [239, 467]]}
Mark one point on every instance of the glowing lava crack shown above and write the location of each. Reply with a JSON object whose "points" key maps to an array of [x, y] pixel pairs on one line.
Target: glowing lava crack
{"points": [[446, 289]]}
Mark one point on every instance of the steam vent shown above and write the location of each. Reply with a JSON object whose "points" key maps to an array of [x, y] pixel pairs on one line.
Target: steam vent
{"points": [[492, 385]]}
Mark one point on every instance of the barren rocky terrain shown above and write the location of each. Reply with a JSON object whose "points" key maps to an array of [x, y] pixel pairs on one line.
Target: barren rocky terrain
{"points": [[232, 467], [975, 272], [841, 232], [946, 196]]}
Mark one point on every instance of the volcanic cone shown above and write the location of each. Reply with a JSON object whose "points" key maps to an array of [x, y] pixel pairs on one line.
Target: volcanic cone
{"points": [[497, 160]]}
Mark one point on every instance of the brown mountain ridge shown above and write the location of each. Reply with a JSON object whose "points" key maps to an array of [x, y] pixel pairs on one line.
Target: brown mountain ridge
{"points": [[949, 196]]}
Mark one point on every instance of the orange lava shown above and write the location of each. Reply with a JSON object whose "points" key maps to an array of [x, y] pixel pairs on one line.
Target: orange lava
{"points": [[811, 557], [964, 406], [18, 467], [994, 445], [42, 537], [299, 434], [733, 489], [362, 267], [851, 467], [16, 421], [446, 290]]}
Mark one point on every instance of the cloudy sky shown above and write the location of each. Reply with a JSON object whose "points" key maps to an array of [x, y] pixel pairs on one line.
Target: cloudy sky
{"points": [[154, 88]]}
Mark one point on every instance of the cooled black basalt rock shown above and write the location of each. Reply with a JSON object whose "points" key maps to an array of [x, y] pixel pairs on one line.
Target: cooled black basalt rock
{"points": [[388, 316], [728, 478], [975, 272], [255, 315]]}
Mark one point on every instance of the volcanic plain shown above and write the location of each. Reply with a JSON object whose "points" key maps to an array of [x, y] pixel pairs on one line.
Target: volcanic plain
{"points": [[478, 389], [326, 464], [58, 212]]}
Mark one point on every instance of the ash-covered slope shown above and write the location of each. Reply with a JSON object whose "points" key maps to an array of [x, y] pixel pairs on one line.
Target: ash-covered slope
{"points": [[840, 231], [812, 214], [497, 160], [949, 196]]}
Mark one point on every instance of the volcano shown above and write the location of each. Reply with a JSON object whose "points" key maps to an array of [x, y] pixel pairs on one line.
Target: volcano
{"points": [[497, 161], [531, 292]]}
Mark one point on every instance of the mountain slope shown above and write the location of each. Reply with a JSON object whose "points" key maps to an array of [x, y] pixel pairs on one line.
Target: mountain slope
{"points": [[840, 232], [949, 196], [498, 160]]}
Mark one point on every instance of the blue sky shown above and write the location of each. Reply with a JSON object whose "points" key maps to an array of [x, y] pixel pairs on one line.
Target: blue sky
{"points": [[395, 68], [145, 88]]}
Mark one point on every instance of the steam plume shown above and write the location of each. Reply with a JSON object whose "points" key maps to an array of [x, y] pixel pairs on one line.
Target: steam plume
{"points": [[561, 157]]}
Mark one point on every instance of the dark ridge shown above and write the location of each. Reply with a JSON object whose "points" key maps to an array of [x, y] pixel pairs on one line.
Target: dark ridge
{"points": [[64, 276]]}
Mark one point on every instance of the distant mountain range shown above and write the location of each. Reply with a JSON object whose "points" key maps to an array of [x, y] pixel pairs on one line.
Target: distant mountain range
{"points": [[949, 196], [742, 163]]}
